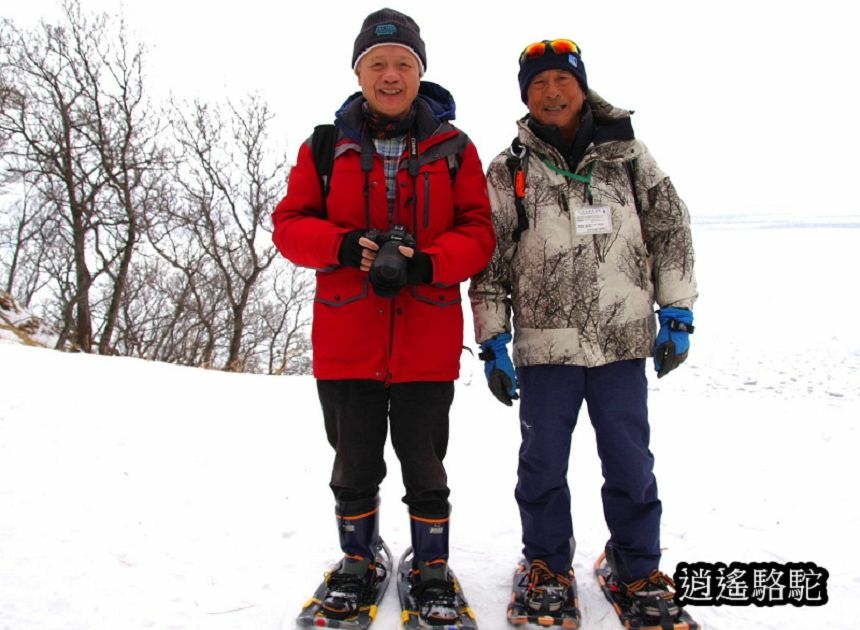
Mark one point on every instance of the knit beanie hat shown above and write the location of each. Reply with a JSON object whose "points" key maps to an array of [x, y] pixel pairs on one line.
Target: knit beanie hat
{"points": [[388, 26], [557, 54]]}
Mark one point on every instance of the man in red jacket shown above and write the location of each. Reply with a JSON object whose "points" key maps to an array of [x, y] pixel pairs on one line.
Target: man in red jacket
{"points": [[405, 221]]}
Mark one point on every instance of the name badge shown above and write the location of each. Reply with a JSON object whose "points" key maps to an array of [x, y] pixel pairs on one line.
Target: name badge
{"points": [[593, 220]]}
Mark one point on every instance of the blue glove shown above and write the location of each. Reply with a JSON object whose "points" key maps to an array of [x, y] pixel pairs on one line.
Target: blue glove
{"points": [[673, 340], [498, 368]]}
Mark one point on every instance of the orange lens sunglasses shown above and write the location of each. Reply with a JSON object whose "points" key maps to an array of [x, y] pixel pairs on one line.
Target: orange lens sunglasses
{"points": [[558, 46]]}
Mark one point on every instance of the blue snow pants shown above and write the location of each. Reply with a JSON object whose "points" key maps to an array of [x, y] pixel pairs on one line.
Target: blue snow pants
{"points": [[616, 397]]}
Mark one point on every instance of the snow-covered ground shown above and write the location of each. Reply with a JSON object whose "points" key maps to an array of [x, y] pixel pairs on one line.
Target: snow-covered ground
{"points": [[138, 495]]}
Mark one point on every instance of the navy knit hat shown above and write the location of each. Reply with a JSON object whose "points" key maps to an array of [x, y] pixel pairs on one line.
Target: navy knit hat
{"points": [[557, 54], [388, 26]]}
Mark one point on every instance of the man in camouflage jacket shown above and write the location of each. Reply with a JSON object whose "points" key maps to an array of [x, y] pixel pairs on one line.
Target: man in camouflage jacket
{"points": [[599, 238]]}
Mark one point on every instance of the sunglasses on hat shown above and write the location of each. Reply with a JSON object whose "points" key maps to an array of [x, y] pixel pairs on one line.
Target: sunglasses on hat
{"points": [[558, 46]]}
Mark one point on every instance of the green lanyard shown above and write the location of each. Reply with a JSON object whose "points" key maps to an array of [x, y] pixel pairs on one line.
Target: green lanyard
{"points": [[586, 179]]}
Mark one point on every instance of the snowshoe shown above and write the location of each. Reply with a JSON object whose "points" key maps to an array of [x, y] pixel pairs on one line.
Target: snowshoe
{"points": [[349, 601], [645, 604], [434, 603]]}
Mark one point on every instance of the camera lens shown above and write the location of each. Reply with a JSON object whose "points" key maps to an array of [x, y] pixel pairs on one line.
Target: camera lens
{"points": [[388, 271], [389, 263]]}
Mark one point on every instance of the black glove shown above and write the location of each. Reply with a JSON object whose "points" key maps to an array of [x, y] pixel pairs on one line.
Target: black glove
{"points": [[419, 269], [349, 254]]}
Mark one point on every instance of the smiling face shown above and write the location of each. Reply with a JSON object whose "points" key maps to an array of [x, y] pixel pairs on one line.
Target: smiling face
{"points": [[555, 97], [389, 78]]}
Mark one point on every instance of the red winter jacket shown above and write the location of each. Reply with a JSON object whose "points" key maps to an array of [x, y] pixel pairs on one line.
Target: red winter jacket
{"points": [[417, 335]]}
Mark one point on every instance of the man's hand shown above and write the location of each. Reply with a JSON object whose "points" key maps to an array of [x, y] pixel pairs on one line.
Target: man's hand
{"points": [[357, 251], [420, 267], [673, 340], [498, 368]]}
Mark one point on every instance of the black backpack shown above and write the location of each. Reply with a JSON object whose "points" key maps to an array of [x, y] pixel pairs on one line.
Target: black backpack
{"points": [[322, 147]]}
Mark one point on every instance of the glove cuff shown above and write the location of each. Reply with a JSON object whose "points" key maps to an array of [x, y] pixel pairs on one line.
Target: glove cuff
{"points": [[678, 314], [493, 346], [675, 324], [487, 354], [497, 341]]}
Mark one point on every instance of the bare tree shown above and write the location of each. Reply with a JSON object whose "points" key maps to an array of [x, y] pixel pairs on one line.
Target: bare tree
{"points": [[133, 241], [228, 181], [285, 320], [26, 237], [79, 137]]}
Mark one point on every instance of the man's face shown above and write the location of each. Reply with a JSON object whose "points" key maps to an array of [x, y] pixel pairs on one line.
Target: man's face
{"points": [[555, 98], [389, 78]]}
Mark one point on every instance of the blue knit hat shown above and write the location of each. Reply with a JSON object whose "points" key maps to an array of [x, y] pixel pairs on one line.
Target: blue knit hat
{"points": [[556, 54]]}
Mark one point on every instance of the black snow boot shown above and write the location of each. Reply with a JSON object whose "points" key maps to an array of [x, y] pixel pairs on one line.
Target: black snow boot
{"points": [[350, 586]]}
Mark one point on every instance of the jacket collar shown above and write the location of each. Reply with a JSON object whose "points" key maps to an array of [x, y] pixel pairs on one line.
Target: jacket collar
{"points": [[433, 106], [602, 125]]}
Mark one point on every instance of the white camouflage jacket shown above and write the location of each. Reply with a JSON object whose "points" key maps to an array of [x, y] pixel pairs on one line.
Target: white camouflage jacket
{"points": [[583, 280]]}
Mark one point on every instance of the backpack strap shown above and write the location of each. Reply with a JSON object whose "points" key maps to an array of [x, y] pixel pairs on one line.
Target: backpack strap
{"points": [[517, 163], [451, 150], [322, 147]]}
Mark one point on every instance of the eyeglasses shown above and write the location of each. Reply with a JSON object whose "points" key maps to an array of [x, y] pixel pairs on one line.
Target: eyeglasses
{"points": [[558, 46]]}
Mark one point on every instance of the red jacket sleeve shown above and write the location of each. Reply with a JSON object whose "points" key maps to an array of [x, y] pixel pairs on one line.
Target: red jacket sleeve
{"points": [[301, 233]]}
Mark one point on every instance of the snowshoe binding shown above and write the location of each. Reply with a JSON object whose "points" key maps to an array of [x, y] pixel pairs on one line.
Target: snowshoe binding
{"points": [[542, 598], [346, 599], [436, 602], [645, 604]]}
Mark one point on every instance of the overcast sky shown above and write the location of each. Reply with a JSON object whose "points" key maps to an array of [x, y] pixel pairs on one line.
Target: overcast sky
{"points": [[749, 106]]}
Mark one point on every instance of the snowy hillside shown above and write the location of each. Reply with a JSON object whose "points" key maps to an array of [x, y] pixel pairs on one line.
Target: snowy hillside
{"points": [[137, 495]]}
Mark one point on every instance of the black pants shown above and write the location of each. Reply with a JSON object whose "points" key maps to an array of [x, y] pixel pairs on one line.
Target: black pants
{"points": [[357, 414]]}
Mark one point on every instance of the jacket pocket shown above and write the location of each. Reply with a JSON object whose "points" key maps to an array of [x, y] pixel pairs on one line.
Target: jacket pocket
{"points": [[437, 294], [341, 287], [436, 198]]}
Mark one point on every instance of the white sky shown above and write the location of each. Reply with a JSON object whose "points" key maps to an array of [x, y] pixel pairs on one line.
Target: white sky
{"points": [[742, 103]]}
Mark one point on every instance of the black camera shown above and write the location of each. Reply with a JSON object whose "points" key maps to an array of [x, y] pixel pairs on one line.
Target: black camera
{"points": [[388, 271]]}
